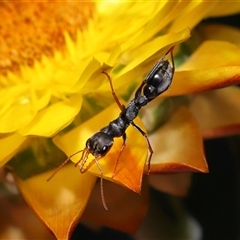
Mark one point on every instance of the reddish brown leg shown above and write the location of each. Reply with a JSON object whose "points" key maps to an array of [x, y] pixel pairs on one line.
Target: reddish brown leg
{"points": [[58, 168], [113, 92], [148, 143], [101, 183], [83, 170], [120, 153]]}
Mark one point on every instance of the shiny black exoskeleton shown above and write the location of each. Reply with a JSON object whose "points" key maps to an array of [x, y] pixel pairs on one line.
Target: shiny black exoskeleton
{"points": [[156, 82]]}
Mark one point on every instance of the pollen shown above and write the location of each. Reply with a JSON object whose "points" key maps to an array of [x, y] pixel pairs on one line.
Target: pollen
{"points": [[30, 30]]}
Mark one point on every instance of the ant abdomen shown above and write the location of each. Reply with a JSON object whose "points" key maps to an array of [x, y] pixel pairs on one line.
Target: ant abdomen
{"points": [[158, 80]]}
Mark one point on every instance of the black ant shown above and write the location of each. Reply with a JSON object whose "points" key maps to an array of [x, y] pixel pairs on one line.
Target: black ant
{"points": [[156, 82]]}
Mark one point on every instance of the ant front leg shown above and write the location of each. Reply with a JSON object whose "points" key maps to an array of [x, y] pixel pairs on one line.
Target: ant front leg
{"points": [[113, 92], [124, 137], [148, 143], [101, 182], [83, 170]]}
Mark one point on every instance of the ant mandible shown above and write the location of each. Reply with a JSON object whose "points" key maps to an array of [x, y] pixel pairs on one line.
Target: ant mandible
{"points": [[156, 82]]}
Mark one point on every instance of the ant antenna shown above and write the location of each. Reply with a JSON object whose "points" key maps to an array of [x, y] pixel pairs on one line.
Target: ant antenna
{"points": [[83, 160], [58, 168]]}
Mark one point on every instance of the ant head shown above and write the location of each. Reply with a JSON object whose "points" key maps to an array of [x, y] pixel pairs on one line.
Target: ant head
{"points": [[99, 144]]}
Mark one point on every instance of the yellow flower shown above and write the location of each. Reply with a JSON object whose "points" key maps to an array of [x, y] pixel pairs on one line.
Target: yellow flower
{"points": [[51, 78]]}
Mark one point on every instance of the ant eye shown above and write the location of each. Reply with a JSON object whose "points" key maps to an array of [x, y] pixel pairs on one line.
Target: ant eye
{"points": [[104, 149]]}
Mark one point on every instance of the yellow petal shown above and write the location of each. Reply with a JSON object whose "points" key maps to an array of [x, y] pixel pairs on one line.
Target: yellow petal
{"points": [[90, 68], [212, 54], [54, 118], [213, 65], [16, 109], [218, 112], [167, 12], [158, 46], [145, 57], [225, 8], [40, 99], [10, 145], [192, 14], [58, 203], [96, 79], [131, 163], [219, 32], [178, 145]]}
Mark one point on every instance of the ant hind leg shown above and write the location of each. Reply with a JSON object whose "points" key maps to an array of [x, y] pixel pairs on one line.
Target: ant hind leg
{"points": [[148, 143], [124, 136]]}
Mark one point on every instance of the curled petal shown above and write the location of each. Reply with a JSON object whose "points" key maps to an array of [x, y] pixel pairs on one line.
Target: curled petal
{"points": [[90, 68], [54, 118], [218, 112], [16, 109], [178, 145]]}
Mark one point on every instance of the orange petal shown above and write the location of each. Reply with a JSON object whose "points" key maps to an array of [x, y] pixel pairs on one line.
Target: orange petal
{"points": [[213, 65], [13, 209], [131, 163], [60, 202], [218, 112], [175, 184], [178, 145], [126, 209]]}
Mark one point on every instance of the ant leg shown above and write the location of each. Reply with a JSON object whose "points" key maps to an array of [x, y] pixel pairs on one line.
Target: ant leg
{"points": [[148, 143], [170, 51], [113, 92], [101, 183], [124, 136], [83, 170], [173, 65]]}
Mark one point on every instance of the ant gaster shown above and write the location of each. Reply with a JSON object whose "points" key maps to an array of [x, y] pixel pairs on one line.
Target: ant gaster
{"points": [[156, 82]]}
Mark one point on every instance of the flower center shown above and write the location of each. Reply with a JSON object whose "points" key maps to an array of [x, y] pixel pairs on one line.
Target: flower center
{"points": [[29, 30]]}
